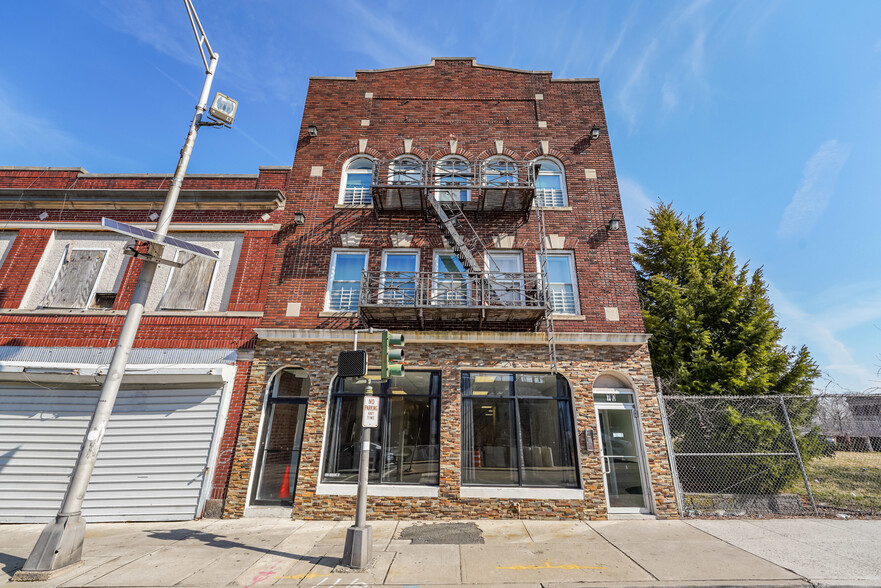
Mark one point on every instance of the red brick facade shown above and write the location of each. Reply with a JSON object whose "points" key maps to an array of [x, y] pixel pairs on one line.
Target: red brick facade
{"points": [[452, 106], [63, 198]]}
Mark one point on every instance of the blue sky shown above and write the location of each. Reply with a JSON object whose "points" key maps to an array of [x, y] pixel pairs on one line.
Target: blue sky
{"points": [[764, 115]]}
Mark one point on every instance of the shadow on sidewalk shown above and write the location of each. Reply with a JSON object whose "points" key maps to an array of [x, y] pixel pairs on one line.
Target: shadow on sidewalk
{"points": [[221, 542], [10, 563]]}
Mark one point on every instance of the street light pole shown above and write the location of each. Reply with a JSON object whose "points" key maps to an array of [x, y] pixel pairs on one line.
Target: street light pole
{"points": [[60, 544]]}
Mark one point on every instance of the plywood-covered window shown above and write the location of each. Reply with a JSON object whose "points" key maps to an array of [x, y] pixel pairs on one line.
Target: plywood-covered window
{"points": [[74, 283], [190, 284]]}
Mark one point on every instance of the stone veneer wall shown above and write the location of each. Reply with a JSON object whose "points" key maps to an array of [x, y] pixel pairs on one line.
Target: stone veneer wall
{"points": [[579, 364]]}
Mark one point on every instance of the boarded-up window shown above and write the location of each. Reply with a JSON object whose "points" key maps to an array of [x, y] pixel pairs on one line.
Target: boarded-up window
{"points": [[188, 285], [75, 279]]}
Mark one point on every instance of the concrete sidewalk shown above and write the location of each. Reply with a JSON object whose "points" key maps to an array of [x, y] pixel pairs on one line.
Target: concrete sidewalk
{"points": [[269, 552]]}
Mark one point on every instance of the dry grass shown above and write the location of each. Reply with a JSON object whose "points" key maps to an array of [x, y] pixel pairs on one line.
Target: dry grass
{"points": [[848, 481]]}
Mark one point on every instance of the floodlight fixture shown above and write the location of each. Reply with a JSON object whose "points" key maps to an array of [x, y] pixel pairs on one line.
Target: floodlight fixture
{"points": [[595, 133], [299, 218], [223, 109], [313, 130], [614, 224]]}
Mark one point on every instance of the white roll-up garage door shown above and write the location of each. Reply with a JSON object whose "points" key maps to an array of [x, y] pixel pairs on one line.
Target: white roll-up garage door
{"points": [[151, 466]]}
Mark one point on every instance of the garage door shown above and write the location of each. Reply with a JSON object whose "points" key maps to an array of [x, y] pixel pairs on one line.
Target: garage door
{"points": [[151, 466]]}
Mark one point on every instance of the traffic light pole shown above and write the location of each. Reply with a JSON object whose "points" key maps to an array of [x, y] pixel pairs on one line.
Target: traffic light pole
{"points": [[359, 537]]}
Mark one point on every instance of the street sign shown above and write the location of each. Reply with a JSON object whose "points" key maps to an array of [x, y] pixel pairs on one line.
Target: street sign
{"points": [[151, 237], [370, 416]]}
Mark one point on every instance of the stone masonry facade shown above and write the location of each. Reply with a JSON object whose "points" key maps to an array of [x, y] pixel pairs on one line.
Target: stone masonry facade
{"points": [[581, 365]]}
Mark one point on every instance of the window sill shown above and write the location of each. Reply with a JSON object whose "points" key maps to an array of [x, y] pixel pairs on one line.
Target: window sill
{"points": [[353, 206], [398, 490], [517, 492], [337, 314], [554, 208], [569, 317]]}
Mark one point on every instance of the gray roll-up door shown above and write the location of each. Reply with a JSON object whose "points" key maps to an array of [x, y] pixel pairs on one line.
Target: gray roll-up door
{"points": [[151, 466]]}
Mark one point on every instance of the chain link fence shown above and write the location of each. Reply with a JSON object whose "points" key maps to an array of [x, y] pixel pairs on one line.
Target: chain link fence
{"points": [[775, 455]]}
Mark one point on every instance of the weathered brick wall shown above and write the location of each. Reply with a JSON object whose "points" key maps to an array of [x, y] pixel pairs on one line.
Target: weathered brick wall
{"points": [[476, 106], [580, 364]]}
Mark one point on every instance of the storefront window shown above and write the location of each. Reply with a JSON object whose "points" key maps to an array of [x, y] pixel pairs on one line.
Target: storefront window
{"points": [[517, 430], [405, 448]]}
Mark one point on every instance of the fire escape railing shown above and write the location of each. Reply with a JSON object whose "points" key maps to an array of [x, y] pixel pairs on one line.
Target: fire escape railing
{"points": [[452, 290]]}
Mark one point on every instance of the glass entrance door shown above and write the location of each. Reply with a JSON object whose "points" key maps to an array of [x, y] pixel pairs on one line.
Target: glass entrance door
{"points": [[622, 466]]}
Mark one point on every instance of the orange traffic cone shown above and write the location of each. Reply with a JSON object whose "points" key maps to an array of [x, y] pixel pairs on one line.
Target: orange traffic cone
{"points": [[285, 490]]}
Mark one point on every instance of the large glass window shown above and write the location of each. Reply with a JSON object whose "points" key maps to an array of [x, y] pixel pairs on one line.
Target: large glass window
{"points": [[76, 278], [357, 178], [344, 283], [278, 456], [517, 430], [561, 282], [453, 171], [405, 448], [550, 184]]}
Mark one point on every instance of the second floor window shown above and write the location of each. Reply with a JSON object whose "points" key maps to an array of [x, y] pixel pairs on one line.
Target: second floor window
{"points": [[561, 282], [550, 184], [357, 179], [344, 283]]}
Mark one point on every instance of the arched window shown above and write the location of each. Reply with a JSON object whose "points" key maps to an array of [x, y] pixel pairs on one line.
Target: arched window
{"points": [[284, 421], [453, 171], [406, 171], [550, 183], [500, 171], [357, 178]]}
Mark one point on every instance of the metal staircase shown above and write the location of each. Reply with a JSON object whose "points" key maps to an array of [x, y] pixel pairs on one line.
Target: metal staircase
{"points": [[450, 223]]}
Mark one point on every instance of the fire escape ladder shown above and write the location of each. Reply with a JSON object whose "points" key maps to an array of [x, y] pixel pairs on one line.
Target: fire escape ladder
{"points": [[450, 226], [545, 286]]}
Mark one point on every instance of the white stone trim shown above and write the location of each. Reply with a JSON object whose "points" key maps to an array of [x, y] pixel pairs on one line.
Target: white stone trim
{"points": [[317, 171], [451, 337], [520, 492], [401, 490]]}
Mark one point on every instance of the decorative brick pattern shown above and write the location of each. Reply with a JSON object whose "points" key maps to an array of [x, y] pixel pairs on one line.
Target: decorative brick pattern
{"points": [[580, 365]]}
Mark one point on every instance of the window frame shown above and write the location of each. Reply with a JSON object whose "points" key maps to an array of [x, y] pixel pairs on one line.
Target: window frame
{"points": [[211, 284], [382, 434], [576, 311], [513, 400], [519, 283], [383, 298], [68, 249], [515, 176], [392, 172], [436, 253], [562, 176], [464, 194], [332, 272], [344, 180]]}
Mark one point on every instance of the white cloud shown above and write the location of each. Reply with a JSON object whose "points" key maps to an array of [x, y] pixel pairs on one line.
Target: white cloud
{"points": [[381, 37], [823, 332], [815, 191], [635, 203]]}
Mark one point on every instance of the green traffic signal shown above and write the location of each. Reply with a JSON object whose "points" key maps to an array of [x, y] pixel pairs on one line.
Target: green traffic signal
{"points": [[391, 352]]}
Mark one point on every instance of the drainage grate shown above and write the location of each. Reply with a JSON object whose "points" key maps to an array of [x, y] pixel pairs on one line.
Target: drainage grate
{"points": [[443, 533]]}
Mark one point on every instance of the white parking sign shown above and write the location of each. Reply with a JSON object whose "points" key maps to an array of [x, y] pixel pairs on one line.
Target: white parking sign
{"points": [[370, 417]]}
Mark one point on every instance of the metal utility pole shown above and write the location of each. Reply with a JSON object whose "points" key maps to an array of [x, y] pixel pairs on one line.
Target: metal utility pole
{"points": [[60, 545], [357, 551]]}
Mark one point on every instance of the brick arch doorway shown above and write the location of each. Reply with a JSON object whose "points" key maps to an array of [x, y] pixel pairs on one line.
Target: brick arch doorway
{"points": [[281, 439]]}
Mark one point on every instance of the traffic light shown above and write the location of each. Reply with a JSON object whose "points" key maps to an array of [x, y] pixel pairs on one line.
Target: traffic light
{"points": [[392, 351]]}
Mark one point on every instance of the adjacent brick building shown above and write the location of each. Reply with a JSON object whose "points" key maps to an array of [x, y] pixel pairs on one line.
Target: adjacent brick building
{"points": [[453, 202], [65, 285]]}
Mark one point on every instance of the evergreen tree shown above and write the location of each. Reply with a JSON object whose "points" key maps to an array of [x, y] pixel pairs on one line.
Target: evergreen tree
{"points": [[713, 327]]}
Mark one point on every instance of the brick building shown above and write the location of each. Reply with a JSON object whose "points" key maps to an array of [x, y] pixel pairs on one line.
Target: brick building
{"points": [[453, 202], [65, 284]]}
